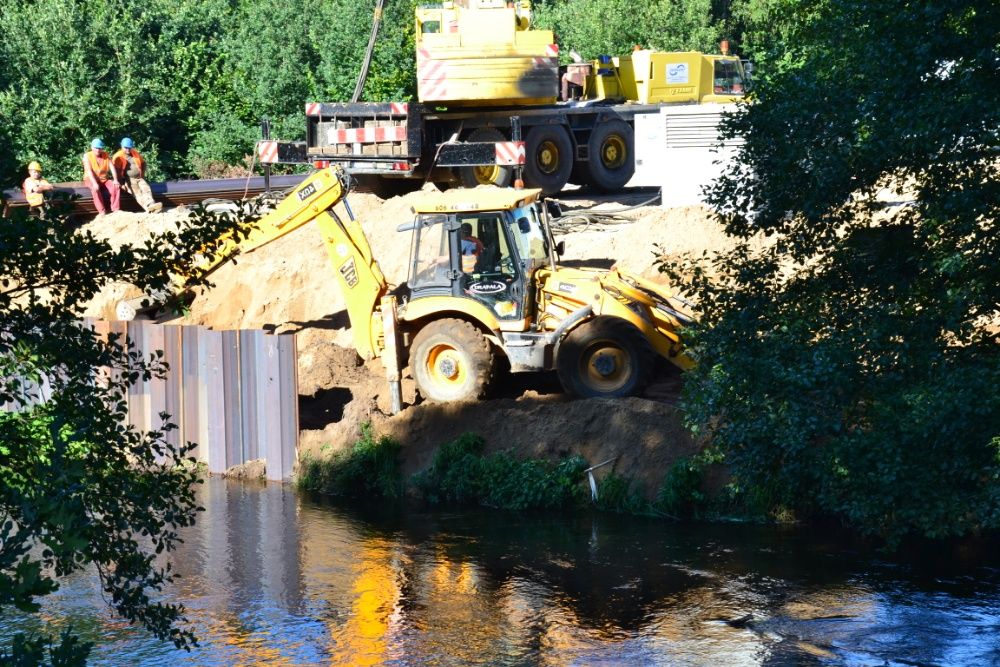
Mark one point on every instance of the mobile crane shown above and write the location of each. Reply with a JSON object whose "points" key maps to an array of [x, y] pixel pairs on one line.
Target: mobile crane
{"points": [[492, 99], [484, 283]]}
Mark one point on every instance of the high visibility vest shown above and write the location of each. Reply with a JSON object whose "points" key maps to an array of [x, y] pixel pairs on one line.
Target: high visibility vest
{"points": [[100, 165], [34, 198], [120, 160]]}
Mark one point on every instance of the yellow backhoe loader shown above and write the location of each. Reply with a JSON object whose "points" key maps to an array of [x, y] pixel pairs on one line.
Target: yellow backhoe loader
{"points": [[484, 283]]}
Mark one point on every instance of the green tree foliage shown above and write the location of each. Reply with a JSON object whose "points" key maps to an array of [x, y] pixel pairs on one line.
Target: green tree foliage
{"points": [[78, 490], [188, 80], [850, 364], [614, 27]]}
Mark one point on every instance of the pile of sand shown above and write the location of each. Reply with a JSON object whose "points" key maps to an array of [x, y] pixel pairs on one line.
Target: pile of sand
{"points": [[287, 287]]}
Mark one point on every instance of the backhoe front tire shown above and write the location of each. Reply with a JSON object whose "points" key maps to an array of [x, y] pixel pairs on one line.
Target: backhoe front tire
{"points": [[606, 357], [451, 360]]}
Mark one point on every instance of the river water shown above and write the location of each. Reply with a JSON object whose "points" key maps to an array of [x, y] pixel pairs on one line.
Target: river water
{"points": [[274, 577]]}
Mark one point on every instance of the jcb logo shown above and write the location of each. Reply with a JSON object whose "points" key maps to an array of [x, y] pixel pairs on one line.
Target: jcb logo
{"points": [[306, 192], [350, 272]]}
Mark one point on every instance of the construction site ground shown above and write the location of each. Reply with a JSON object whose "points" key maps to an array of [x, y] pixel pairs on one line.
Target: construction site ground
{"points": [[287, 288]]}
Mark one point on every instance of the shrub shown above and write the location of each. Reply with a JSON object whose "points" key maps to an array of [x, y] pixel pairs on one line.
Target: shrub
{"points": [[369, 470], [459, 474]]}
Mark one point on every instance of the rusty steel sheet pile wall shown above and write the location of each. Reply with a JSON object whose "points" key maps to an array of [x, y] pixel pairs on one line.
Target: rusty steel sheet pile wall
{"points": [[235, 393]]}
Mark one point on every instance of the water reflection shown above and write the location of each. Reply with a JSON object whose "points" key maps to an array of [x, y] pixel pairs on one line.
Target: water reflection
{"points": [[272, 577]]}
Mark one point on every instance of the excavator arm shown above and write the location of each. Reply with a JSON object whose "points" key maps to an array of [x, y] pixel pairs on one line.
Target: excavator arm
{"points": [[319, 192], [357, 273]]}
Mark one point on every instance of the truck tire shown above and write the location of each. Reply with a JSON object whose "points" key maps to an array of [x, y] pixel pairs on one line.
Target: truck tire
{"points": [[548, 158], [451, 360], [494, 174], [611, 148], [606, 357]]}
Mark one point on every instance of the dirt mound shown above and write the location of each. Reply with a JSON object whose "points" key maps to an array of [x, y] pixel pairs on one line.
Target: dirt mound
{"points": [[286, 287]]}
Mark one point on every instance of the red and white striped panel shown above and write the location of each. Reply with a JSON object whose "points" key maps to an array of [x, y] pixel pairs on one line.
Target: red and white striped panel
{"points": [[312, 108], [267, 152], [432, 77], [549, 63], [510, 152], [552, 50], [401, 108], [367, 135]]}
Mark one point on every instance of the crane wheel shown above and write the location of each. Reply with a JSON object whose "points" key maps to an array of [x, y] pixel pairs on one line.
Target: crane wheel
{"points": [[606, 357], [611, 148], [494, 174], [451, 360], [548, 158]]}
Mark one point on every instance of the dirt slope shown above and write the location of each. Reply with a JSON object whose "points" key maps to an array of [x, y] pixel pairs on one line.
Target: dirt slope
{"points": [[286, 287]]}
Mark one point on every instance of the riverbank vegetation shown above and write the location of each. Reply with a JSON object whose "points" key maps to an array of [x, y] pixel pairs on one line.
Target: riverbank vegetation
{"points": [[462, 475], [370, 469]]}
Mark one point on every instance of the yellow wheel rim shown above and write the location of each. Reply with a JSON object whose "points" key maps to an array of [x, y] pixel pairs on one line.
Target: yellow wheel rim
{"points": [[446, 367], [613, 152], [487, 175], [548, 157], [606, 367]]}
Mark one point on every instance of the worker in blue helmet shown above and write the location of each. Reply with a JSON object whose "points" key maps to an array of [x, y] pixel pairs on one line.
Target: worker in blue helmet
{"points": [[131, 169], [99, 175]]}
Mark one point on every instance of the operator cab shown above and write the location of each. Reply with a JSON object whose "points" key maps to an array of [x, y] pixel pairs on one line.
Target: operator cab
{"points": [[482, 244]]}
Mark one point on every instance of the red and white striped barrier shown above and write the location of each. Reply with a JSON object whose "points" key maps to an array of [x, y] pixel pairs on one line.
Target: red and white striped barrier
{"points": [[432, 77], [367, 135], [312, 108], [510, 152], [267, 152]]}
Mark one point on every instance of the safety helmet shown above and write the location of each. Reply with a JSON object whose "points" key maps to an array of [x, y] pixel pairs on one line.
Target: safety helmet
{"points": [[97, 143], [34, 165], [127, 143]]}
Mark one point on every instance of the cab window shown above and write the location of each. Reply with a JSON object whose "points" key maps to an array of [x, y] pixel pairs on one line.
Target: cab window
{"points": [[728, 78], [430, 258]]}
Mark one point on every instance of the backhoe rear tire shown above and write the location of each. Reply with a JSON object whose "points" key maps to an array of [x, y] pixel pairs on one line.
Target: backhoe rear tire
{"points": [[606, 357], [451, 360]]}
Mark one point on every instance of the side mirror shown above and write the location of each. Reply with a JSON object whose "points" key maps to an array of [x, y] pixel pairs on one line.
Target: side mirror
{"points": [[561, 248], [553, 208]]}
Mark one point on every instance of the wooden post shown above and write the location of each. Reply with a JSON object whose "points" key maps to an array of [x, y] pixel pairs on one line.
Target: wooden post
{"points": [[390, 356]]}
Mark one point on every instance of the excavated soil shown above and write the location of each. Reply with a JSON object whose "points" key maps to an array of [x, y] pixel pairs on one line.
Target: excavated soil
{"points": [[286, 287]]}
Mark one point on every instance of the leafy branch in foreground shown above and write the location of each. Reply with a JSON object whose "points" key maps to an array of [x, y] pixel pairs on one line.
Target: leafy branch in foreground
{"points": [[79, 489]]}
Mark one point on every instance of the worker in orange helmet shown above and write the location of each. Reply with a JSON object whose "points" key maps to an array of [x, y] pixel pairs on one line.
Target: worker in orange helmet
{"points": [[100, 177], [131, 170], [34, 188]]}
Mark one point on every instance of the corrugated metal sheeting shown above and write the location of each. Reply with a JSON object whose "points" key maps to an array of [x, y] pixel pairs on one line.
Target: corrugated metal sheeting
{"points": [[235, 393]]}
